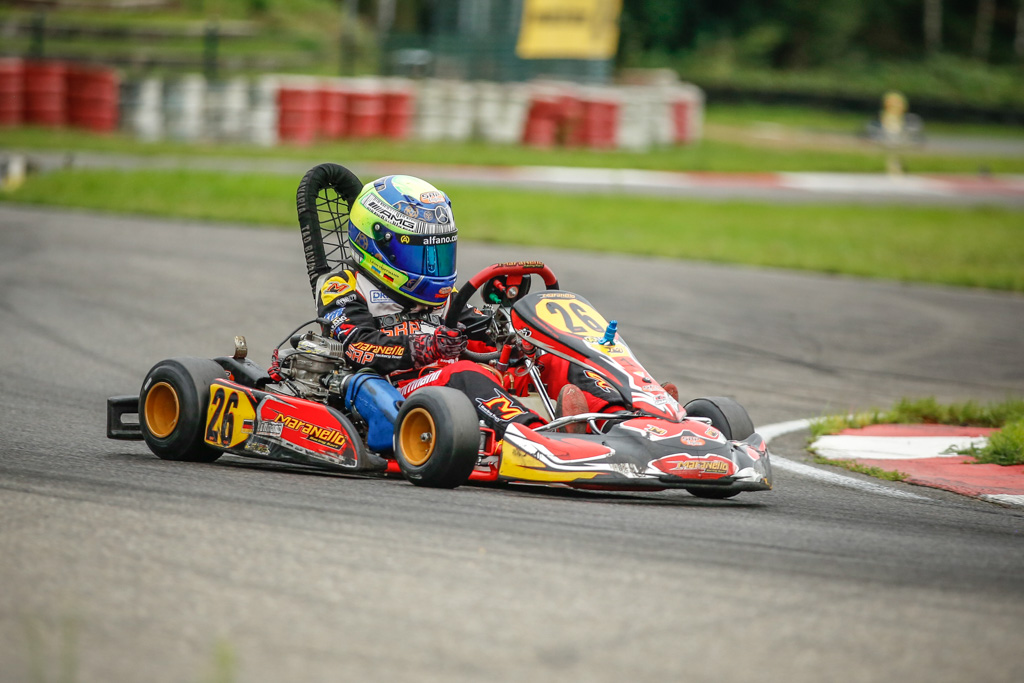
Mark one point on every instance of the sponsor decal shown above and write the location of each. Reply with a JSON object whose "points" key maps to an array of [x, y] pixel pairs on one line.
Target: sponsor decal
{"points": [[324, 436], [626, 469], [362, 241], [689, 440], [379, 297], [443, 293], [607, 349], [655, 430], [703, 466], [337, 286], [380, 185], [269, 428], [441, 215], [415, 384], [525, 264], [364, 353], [435, 197], [429, 240], [335, 314], [387, 213], [402, 328], [500, 408], [258, 447]]}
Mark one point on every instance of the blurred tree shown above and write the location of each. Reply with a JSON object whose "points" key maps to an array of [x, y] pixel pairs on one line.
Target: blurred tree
{"points": [[983, 29], [1018, 39], [819, 31], [932, 25]]}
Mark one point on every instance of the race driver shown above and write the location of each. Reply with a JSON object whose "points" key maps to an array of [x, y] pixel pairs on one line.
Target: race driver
{"points": [[387, 310]]}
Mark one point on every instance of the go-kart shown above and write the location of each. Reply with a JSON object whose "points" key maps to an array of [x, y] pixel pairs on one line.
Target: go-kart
{"points": [[321, 413]]}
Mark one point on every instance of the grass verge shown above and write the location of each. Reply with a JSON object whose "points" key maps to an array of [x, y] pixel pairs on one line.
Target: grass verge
{"points": [[1005, 447], [870, 470], [891, 242], [731, 147]]}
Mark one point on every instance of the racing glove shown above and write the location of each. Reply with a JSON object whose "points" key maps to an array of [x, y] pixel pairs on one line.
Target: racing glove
{"points": [[443, 343]]}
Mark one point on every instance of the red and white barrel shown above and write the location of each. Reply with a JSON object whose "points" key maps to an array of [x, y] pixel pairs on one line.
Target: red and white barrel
{"points": [[399, 108], [687, 104], [92, 98], [600, 118], [298, 111], [45, 93], [12, 88], [365, 109], [543, 117], [333, 122]]}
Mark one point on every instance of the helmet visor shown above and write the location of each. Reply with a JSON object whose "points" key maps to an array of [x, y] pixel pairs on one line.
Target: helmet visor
{"points": [[430, 255]]}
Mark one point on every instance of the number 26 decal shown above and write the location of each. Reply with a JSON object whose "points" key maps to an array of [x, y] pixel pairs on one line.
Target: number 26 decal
{"points": [[227, 411], [576, 318]]}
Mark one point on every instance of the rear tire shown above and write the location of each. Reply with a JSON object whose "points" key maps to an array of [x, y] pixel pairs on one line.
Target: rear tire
{"points": [[172, 408], [437, 439]]}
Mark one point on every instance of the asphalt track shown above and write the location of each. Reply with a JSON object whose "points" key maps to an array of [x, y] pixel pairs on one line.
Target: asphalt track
{"points": [[117, 566]]}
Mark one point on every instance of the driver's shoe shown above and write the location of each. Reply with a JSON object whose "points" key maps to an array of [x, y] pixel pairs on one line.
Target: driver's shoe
{"points": [[571, 401]]}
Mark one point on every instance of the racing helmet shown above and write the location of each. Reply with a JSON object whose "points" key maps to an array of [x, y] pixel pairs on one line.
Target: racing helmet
{"points": [[403, 236]]}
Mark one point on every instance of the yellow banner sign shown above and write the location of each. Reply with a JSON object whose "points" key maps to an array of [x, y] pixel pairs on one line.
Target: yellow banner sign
{"points": [[569, 29]]}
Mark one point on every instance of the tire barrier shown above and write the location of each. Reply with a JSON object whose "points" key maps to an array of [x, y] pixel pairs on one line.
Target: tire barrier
{"points": [[141, 109], [45, 94], [301, 110], [184, 114], [227, 110], [12, 88], [54, 94], [298, 113], [366, 113], [333, 102], [92, 98]]}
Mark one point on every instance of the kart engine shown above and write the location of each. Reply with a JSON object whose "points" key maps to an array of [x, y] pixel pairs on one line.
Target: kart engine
{"points": [[312, 364]]}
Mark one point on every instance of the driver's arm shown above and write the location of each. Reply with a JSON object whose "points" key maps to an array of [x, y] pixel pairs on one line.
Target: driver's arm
{"points": [[366, 347]]}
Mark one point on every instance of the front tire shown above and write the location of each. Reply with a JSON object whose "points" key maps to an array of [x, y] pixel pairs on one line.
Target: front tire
{"points": [[728, 417], [437, 438], [172, 408]]}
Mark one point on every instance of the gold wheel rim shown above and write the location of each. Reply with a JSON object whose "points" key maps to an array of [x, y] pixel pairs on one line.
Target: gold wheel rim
{"points": [[415, 448], [162, 410]]}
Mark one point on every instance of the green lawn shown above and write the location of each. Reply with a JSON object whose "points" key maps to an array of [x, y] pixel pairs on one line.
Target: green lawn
{"points": [[975, 247], [1005, 447], [731, 145]]}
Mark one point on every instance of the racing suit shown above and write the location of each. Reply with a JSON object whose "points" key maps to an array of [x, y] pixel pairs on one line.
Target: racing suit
{"points": [[377, 332]]}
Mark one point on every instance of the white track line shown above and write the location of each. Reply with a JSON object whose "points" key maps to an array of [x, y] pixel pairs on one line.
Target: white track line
{"points": [[773, 431]]}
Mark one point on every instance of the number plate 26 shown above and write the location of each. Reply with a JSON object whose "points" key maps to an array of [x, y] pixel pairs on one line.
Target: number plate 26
{"points": [[229, 417]]}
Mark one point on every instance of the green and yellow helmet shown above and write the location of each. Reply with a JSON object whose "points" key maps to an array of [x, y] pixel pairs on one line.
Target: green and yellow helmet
{"points": [[403, 236]]}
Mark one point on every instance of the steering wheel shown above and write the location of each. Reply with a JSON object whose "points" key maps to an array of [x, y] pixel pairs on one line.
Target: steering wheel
{"points": [[514, 272]]}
